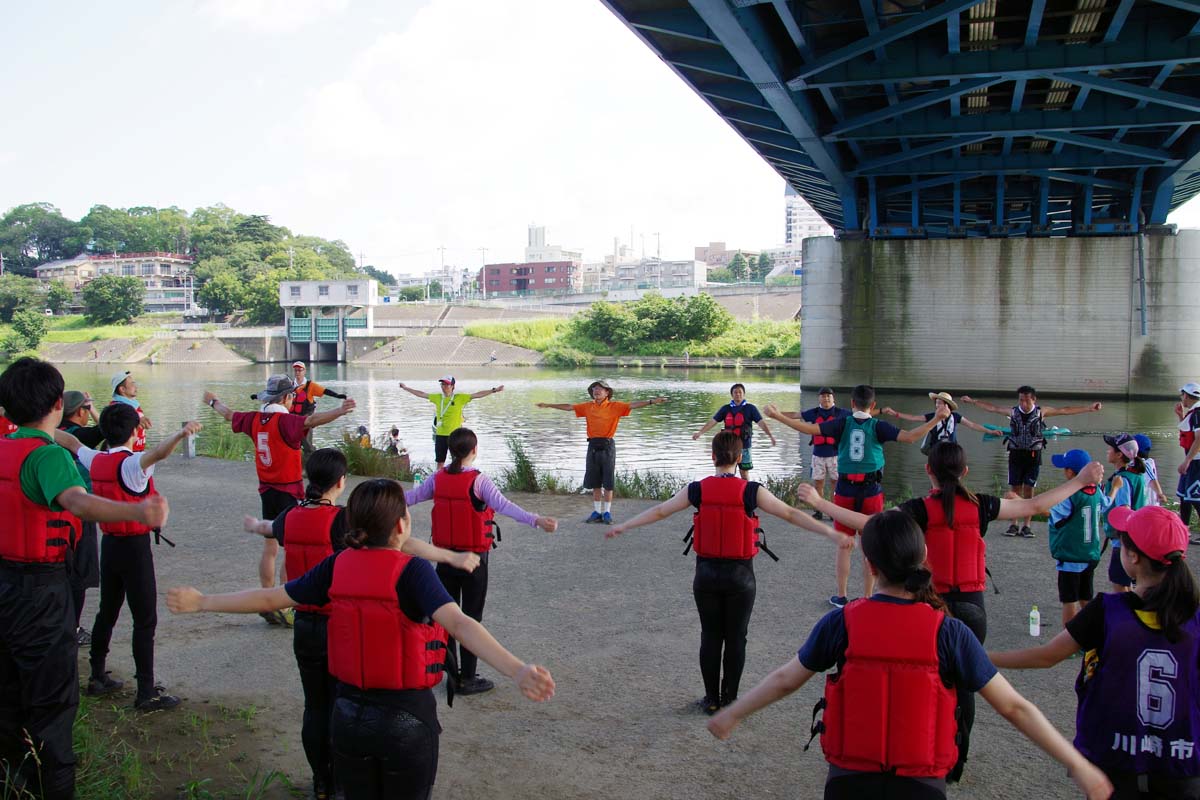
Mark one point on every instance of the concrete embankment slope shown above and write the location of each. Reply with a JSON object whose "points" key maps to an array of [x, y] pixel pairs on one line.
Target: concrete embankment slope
{"points": [[131, 351], [455, 351], [615, 622]]}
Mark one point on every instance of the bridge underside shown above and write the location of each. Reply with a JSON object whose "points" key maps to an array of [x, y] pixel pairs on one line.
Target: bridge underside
{"points": [[953, 119]]}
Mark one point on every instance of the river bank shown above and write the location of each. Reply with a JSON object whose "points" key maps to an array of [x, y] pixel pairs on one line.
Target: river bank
{"points": [[614, 621]]}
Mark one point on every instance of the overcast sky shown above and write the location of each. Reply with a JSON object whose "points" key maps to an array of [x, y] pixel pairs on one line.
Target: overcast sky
{"points": [[397, 126]]}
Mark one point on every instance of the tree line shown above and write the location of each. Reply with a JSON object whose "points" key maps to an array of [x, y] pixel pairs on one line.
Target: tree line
{"points": [[240, 258]]}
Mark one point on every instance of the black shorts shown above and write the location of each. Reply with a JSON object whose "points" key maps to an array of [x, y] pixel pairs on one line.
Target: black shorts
{"points": [[441, 446], [1023, 467], [600, 471], [1076, 586], [275, 502]]}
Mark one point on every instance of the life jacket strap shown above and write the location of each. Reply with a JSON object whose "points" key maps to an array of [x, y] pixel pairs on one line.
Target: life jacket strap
{"points": [[818, 725], [762, 544], [494, 536], [159, 538], [687, 539]]}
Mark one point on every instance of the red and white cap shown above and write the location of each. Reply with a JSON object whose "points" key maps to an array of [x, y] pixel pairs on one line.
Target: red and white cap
{"points": [[1155, 531], [297, 364], [446, 379]]}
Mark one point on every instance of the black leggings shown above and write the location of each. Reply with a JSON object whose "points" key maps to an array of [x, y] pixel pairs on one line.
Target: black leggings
{"points": [[381, 753], [469, 590], [972, 615], [127, 574], [881, 786], [724, 590], [311, 648]]}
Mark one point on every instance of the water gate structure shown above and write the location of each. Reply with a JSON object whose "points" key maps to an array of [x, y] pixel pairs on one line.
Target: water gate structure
{"points": [[998, 174]]}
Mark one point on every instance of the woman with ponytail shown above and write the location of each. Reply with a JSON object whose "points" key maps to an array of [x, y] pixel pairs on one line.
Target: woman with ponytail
{"points": [[888, 724], [465, 501], [1139, 685], [309, 533], [388, 622], [1129, 487], [954, 521]]}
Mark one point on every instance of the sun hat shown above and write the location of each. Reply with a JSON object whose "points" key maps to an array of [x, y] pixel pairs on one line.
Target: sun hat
{"points": [[446, 379], [945, 398], [1074, 460], [1124, 443], [1191, 388], [603, 384], [72, 402], [118, 378], [278, 386], [1155, 531], [1144, 442]]}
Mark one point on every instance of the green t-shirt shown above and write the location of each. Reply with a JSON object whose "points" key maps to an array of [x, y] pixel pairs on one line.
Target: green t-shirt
{"points": [[448, 416], [48, 471]]}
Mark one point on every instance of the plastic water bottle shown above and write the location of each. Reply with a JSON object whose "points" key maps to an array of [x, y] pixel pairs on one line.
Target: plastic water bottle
{"points": [[1035, 622], [418, 476]]}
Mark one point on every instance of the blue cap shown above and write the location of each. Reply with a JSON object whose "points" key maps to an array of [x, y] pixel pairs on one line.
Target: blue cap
{"points": [[1074, 460], [1144, 442]]}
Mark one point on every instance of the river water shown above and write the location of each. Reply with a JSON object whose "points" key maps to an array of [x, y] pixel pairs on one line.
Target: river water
{"points": [[655, 438]]}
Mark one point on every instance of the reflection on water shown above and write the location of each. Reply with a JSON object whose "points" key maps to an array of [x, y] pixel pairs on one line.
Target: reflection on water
{"points": [[653, 438]]}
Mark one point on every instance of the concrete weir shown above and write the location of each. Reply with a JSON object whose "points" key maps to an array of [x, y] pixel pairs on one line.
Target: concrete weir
{"points": [[987, 315]]}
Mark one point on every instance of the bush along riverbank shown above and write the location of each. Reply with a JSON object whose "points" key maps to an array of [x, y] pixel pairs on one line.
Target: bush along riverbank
{"points": [[652, 326]]}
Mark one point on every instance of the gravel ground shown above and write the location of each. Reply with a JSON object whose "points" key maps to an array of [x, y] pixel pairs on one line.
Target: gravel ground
{"points": [[615, 623]]}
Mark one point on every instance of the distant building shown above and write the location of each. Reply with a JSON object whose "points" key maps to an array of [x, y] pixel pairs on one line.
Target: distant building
{"points": [[537, 250], [786, 259], [653, 273], [320, 316], [166, 276], [593, 277], [801, 221], [529, 277], [715, 255]]}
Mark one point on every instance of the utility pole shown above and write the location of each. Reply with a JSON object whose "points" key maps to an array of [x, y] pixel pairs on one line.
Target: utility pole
{"points": [[483, 271], [658, 245], [442, 272]]}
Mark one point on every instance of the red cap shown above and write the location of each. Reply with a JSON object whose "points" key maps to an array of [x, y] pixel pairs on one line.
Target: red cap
{"points": [[1156, 531]]}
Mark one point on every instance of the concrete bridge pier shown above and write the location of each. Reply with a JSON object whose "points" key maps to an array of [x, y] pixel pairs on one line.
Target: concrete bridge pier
{"points": [[1065, 315]]}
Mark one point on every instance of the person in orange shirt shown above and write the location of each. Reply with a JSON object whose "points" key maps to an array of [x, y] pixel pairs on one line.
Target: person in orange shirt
{"points": [[602, 416]]}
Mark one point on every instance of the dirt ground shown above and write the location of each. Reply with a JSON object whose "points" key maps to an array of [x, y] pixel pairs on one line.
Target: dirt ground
{"points": [[615, 623]]}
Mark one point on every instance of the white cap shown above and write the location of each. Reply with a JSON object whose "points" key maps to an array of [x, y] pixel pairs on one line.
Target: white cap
{"points": [[297, 363], [1192, 388], [119, 377]]}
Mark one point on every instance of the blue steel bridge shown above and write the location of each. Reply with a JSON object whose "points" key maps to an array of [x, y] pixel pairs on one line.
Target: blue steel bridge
{"points": [[961, 118]]}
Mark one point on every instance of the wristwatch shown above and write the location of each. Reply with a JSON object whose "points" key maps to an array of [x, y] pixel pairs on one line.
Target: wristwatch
{"points": [[212, 403]]}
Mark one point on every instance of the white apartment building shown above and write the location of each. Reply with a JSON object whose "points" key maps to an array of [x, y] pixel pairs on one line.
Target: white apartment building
{"points": [[166, 276], [654, 273], [537, 250], [801, 221]]}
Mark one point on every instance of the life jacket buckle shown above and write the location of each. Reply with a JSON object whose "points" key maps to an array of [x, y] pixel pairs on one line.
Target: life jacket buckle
{"points": [[496, 537]]}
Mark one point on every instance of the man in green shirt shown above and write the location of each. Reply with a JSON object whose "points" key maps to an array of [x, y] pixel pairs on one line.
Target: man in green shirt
{"points": [[448, 416], [42, 499]]}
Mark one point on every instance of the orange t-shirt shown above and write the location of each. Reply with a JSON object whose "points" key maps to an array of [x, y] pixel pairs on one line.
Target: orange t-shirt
{"points": [[602, 418]]}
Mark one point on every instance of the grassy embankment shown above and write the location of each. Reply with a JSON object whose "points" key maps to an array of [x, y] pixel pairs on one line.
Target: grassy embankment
{"points": [[75, 328], [562, 346]]}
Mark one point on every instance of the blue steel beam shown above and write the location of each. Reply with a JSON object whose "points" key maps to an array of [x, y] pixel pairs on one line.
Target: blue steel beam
{"points": [[1143, 44], [1106, 145], [679, 22], [1071, 177], [740, 93], [1015, 163], [1183, 5], [1118, 21], [1132, 91], [874, 164], [767, 120], [1034, 25], [887, 35], [920, 101], [1104, 112], [928, 183], [800, 121], [712, 62]]}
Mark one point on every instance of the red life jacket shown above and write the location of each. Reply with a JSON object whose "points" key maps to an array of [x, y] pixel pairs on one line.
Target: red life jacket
{"points": [[957, 556], [372, 643], [1188, 438], [306, 542], [735, 419], [886, 708], [823, 415], [303, 404], [458, 524], [139, 433], [107, 483], [31, 533], [275, 460], [721, 528], [7, 426]]}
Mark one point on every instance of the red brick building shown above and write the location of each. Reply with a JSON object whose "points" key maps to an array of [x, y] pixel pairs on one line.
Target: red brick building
{"points": [[528, 278]]}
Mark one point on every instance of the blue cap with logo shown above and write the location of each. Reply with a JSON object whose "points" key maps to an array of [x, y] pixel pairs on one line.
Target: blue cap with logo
{"points": [[1074, 460]]}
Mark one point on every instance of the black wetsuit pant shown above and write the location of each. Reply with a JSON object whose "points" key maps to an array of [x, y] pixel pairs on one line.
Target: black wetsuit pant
{"points": [[381, 752], [882, 786], [968, 608], [724, 590], [127, 574], [469, 590], [39, 681], [310, 645], [85, 567]]}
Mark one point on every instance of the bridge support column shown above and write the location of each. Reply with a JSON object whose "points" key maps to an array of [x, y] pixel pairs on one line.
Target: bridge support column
{"points": [[979, 315]]}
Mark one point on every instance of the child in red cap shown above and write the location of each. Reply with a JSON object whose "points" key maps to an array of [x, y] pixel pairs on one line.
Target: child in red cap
{"points": [[1139, 689]]}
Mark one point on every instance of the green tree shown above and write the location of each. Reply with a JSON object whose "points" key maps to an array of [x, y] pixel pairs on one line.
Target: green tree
{"points": [[35, 233], [384, 278], [111, 299], [258, 228], [765, 265], [704, 318], [222, 294], [110, 229], [29, 328], [720, 275], [17, 292], [58, 296], [262, 298], [412, 293], [738, 267]]}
